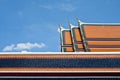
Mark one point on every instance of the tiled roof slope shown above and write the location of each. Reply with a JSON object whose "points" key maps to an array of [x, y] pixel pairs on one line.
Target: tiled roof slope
{"points": [[59, 63], [91, 37], [67, 44]]}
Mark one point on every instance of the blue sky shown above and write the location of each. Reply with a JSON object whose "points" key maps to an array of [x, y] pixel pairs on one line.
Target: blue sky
{"points": [[31, 25]]}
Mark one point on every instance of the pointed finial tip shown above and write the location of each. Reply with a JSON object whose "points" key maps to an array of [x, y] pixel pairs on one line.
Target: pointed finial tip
{"points": [[59, 25], [69, 22], [78, 19], [70, 25]]}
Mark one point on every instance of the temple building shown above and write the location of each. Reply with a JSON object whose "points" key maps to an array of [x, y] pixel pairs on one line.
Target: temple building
{"points": [[89, 49], [91, 37]]}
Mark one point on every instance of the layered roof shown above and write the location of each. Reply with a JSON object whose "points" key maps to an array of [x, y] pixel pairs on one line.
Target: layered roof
{"points": [[59, 63], [91, 37]]}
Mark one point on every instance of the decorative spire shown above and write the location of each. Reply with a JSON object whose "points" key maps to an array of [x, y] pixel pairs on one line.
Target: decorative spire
{"points": [[70, 25], [61, 28], [80, 22]]}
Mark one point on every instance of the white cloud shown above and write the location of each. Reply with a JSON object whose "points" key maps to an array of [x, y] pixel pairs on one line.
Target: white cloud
{"points": [[46, 6], [9, 48], [67, 7], [63, 6], [23, 46]]}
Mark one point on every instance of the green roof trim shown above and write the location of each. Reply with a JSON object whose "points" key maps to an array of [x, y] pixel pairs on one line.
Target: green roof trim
{"points": [[83, 36], [63, 38]]}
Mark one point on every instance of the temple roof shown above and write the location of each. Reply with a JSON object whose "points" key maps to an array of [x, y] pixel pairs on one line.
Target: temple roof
{"points": [[57, 62], [91, 37]]}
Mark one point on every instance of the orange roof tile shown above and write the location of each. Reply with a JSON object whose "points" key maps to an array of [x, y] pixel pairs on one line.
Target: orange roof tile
{"points": [[93, 38]]}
